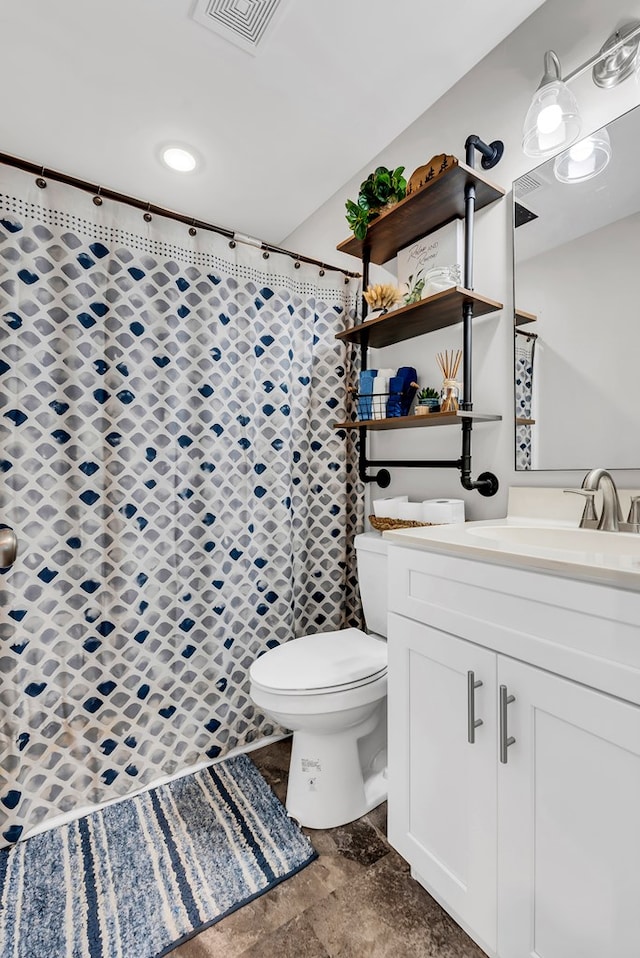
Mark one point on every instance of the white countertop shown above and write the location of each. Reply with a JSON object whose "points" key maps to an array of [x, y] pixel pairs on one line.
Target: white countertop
{"points": [[551, 546]]}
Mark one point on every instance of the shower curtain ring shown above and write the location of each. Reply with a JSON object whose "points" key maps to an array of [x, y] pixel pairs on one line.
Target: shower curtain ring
{"points": [[192, 229], [265, 255], [40, 181], [321, 272], [297, 264], [97, 199], [147, 216]]}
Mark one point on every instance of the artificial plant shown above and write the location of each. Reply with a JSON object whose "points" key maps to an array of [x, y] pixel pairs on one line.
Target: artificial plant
{"points": [[381, 188]]}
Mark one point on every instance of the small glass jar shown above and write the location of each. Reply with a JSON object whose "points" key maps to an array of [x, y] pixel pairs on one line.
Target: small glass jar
{"points": [[441, 277], [450, 396]]}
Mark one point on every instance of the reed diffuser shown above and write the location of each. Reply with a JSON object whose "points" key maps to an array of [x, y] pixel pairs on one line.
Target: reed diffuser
{"points": [[449, 363]]}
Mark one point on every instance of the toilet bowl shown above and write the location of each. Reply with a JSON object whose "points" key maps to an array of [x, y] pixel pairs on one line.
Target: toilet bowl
{"points": [[330, 689]]}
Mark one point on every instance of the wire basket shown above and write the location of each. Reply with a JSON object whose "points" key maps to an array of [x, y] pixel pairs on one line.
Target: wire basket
{"points": [[387, 405]]}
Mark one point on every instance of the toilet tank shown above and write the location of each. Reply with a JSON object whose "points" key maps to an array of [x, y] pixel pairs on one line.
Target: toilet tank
{"points": [[371, 550]]}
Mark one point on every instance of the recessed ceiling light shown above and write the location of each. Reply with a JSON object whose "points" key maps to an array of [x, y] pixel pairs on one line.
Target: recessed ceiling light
{"points": [[178, 158]]}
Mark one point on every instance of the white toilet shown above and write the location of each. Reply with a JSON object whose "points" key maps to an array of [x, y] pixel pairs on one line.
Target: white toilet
{"points": [[330, 688]]}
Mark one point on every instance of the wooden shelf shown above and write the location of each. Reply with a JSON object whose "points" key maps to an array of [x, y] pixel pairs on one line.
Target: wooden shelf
{"points": [[435, 312], [524, 422], [433, 205], [409, 422], [522, 317]]}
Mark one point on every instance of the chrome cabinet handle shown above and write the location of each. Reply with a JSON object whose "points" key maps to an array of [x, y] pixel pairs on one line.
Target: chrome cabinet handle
{"points": [[8, 547], [505, 739], [472, 721]]}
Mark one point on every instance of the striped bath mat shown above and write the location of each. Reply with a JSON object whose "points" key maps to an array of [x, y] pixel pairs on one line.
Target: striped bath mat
{"points": [[139, 877]]}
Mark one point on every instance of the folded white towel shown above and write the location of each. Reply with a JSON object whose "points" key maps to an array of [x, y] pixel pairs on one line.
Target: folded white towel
{"points": [[381, 385]]}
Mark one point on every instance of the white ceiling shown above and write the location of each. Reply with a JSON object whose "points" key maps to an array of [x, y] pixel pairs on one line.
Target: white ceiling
{"points": [[97, 87]]}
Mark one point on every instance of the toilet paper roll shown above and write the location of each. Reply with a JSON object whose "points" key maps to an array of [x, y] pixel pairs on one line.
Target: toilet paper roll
{"points": [[409, 510], [442, 510], [387, 508]]}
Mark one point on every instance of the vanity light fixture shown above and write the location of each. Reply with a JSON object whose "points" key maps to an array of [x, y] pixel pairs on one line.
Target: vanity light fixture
{"points": [[553, 120], [178, 158], [584, 160]]}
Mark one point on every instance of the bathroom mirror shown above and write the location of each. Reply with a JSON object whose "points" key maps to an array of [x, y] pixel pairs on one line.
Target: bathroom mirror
{"points": [[576, 271]]}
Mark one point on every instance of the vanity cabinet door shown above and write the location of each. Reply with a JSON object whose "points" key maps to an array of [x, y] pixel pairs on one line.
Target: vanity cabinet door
{"points": [[569, 829], [442, 788]]}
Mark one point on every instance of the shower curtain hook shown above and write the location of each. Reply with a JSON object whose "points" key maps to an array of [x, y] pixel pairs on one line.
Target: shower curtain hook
{"points": [[147, 216], [192, 229], [97, 199], [40, 181]]}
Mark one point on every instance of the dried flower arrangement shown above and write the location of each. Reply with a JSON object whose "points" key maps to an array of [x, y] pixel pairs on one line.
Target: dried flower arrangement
{"points": [[382, 296]]}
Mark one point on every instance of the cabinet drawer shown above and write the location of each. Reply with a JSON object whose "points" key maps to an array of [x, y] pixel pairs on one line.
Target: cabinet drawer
{"points": [[587, 632]]}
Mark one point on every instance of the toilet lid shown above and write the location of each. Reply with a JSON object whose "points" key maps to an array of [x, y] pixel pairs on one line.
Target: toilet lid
{"points": [[324, 661]]}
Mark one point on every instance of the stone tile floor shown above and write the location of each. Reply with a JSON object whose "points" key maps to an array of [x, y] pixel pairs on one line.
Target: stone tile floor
{"points": [[357, 900]]}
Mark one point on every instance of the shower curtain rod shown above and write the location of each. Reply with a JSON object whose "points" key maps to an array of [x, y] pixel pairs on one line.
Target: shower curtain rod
{"points": [[101, 193]]}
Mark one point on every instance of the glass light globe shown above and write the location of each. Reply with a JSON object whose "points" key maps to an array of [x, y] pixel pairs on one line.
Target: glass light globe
{"points": [[583, 160], [582, 150], [552, 122]]}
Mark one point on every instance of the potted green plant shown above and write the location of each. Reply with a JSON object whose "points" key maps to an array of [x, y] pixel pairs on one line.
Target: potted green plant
{"points": [[428, 401], [381, 188]]}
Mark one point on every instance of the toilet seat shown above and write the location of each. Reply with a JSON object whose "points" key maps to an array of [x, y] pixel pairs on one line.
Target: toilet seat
{"points": [[323, 663]]}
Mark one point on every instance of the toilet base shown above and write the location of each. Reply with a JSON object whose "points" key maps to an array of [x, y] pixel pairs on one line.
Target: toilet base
{"points": [[339, 777]]}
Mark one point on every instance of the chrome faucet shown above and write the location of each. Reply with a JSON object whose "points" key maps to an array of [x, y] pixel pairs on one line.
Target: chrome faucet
{"points": [[611, 516]]}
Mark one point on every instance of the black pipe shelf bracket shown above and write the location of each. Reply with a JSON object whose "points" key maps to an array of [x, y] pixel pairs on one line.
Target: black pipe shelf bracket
{"points": [[458, 182]]}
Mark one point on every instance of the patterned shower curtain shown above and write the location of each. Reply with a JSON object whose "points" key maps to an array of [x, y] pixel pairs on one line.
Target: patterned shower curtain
{"points": [[181, 501], [525, 345]]}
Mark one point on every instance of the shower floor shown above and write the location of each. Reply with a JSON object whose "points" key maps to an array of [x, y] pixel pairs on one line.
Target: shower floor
{"points": [[357, 900]]}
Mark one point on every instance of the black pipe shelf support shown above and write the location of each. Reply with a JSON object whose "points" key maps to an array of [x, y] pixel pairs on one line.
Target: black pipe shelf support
{"points": [[487, 483]]}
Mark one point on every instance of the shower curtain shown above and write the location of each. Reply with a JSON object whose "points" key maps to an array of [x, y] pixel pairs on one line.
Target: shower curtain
{"points": [[181, 501], [524, 354]]}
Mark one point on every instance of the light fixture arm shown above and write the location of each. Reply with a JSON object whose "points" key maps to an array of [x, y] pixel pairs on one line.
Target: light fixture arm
{"points": [[552, 69], [602, 54]]}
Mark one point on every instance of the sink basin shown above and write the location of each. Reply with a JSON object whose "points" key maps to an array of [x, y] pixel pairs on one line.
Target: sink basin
{"points": [[552, 538]]}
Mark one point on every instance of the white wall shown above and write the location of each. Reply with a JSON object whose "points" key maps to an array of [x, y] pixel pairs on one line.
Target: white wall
{"points": [[491, 101]]}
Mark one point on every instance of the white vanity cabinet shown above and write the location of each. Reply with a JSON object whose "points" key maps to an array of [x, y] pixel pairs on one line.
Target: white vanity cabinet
{"points": [[442, 791], [539, 855]]}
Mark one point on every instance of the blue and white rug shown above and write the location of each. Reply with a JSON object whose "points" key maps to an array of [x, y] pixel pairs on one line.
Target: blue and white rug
{"points": [[139, 877]]}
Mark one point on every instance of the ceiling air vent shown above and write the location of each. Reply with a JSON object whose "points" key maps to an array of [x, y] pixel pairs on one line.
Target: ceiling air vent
{"points": [[526, 184], [245, 23]]}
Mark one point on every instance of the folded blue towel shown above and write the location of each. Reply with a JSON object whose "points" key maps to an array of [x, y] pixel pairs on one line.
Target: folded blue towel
{"points": [[365, 407], [394, 402], [401, 392]]}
